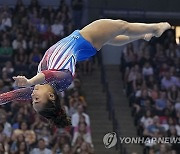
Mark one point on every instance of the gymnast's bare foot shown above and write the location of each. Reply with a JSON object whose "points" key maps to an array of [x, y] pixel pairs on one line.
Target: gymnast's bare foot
{"points": [[148, 37], [161, 27]]}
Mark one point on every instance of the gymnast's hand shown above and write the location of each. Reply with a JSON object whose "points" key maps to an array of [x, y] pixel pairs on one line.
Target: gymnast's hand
{"points": [[22, 81]]}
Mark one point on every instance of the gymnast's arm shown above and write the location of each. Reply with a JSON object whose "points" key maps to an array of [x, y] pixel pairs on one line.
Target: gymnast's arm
{"points": [[46, 76], [60, 80]]}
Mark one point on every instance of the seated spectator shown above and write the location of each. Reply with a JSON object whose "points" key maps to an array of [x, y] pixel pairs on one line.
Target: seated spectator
{"points": [[3, 87], [6, 79], [34, 59], [6, 50], [19, 43], [6, 21], [168, 81], [42, 27], [77, 144], [22, 148], [163, 149], [8, 68], [146, 120], [4, 139], [57, 28], [76, 100], [7, 126], [160, 56], [44, 134], [174, 94], [30, 136], [17, 121], [14, 146], [37, 125], [137, 83], [154, 92], [82, 120], [164, 119], [20, 60], [163, 69], [76, 116], [86, 148], [66, 149], [41, 148], [161, 103], [154, 129], [34, 17], [147, 69], [82, 131], [60, 138]]}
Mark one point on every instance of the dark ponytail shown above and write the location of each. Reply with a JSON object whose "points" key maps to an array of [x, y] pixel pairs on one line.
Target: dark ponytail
{"points": [[55, 114]]}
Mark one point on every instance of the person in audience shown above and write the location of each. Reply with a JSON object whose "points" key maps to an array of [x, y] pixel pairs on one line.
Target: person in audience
{"points": [[76, 116], [30, 136], [82, 131], [41, 148], [14, 146]]}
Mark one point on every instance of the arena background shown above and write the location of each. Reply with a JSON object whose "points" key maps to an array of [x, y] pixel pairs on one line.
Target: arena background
{"points": [[132, 90]]}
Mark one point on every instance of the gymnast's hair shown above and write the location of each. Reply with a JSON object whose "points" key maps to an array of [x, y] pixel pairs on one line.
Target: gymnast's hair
{"points": [[54, 113]]}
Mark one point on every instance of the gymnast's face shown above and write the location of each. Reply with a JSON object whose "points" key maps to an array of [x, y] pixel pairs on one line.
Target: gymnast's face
{"points": [[41, 95]]}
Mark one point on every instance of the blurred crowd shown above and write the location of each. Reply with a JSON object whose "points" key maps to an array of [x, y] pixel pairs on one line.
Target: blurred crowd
{"points": [[26, 32], [151, 77]]}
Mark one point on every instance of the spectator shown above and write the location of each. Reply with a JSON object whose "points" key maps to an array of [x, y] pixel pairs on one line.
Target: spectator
{"points": [[7, 126], [22, 148], [19, 42], [82, 131], [8, 69], [30, 136], [66, 149], [168, 81], [174, 95], [6, 22], [42, 27], [20, 59], [57, 28], [86, 148], [76, 117], [3, 87], [17, 122], [76, 100], [147, 69], [14, 146], [6, 51], [41, 148], [161, 103]]}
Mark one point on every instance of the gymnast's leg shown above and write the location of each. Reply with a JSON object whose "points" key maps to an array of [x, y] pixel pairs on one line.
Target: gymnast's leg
{"points": [[102, 31]]}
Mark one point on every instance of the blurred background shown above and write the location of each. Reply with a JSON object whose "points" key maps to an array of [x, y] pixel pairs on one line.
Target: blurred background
{"points": [[133, 90]]}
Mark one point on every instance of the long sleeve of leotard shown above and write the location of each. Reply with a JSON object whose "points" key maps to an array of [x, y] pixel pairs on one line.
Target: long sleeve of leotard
{"points": [[59, 80], [18, 94]]}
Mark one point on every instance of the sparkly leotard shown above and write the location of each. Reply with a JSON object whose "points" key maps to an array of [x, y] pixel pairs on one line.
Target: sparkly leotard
{"points": [[58, 65]]}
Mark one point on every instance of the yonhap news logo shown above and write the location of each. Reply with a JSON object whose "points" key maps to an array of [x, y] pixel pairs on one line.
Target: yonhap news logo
{"points": [[110, 140]]}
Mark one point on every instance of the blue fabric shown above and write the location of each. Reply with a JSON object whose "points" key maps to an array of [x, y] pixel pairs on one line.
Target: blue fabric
{"points": [[81, 48]]}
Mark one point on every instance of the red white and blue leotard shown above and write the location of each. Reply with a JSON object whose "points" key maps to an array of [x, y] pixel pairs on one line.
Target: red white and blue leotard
{"points": [[58, 65]]}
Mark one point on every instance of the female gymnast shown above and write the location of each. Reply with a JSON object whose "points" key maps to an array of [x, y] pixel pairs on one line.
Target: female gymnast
{"points": [[57, 67]]}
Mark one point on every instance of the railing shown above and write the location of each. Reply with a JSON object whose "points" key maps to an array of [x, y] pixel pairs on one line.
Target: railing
{"points": [[110, 108]]}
